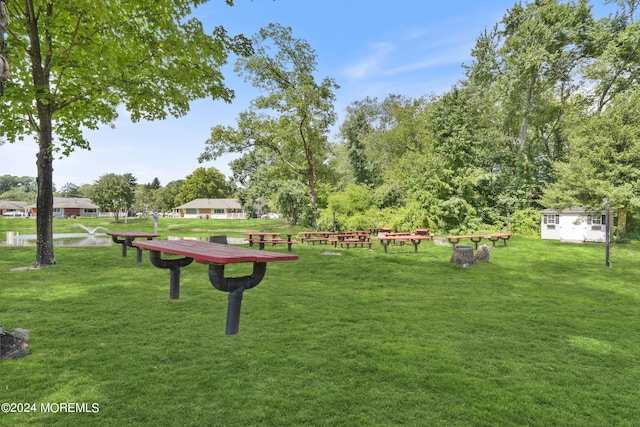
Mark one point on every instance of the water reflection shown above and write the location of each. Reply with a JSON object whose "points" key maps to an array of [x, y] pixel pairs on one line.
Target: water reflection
{"points": [[84, 239], [61, 239]]}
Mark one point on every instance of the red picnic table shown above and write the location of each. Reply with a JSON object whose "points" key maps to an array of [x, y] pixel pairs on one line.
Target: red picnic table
{"points": [[263, 239], [318, 236], [415, 239], [127, 240], [477, 238], [376, 230], [216, 256]]}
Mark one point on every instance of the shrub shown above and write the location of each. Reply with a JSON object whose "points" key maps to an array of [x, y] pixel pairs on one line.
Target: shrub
{"points": [[525, 222]]}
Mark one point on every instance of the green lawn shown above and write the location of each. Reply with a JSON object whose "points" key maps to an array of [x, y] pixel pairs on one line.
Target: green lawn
{"points": [[542, 335]]}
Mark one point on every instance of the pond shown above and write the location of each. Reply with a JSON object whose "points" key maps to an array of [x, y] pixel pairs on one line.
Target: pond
{"points": [[85, 239], [61, 239]]}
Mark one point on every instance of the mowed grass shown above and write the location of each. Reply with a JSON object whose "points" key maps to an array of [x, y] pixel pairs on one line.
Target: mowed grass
{"points": [[542, 335]]}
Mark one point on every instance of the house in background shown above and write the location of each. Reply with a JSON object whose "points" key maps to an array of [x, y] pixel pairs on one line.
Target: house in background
{"points": [[13, 209], [573, 225], [211, 209], [70, 207]]}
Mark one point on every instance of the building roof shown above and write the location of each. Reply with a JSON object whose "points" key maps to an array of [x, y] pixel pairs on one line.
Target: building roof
{"points": [[571, 210], [72, 202], [11, 205], [211, 204]]}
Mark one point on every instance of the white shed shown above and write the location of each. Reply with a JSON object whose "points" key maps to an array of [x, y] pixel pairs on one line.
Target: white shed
{"points": [[573, 225]]}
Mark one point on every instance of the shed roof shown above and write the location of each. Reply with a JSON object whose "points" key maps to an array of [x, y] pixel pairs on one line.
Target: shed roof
{"points": [[571, 210], [211, 204]]}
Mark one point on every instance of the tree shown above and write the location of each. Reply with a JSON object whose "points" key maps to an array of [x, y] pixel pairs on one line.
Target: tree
{"points": [[70, 190], [26, 183], [203, 184], [293, 119], [615, 46], [525, 73], [74, 63], [165, 197], [354, 131], [113, 193], [604, 161]]}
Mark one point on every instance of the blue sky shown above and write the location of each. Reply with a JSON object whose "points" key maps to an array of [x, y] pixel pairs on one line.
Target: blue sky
{"points": [[369, 47]]}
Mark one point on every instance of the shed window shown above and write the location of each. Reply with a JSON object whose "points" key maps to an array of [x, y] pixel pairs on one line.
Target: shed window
{"points": [[551, 219], [218, 211], [596, 220], [191, 211]]}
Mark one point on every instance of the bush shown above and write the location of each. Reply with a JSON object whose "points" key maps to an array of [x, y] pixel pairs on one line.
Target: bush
{"points": [[525, 222]]}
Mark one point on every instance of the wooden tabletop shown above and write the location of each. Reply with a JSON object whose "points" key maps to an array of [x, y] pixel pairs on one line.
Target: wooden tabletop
{"points": [[212, 253], [131, 234]]}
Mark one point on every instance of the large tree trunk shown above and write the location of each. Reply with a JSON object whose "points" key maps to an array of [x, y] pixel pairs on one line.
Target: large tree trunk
{"points": [[44, 104], [44, 221], [312, 197]]}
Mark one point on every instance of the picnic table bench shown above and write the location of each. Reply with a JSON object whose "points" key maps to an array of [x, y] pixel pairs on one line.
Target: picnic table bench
{"points": [[401, 238], [216, 256], [376, 230], [312, 237], [126, 238], [355, 242], [477, 238], [262, 239]]}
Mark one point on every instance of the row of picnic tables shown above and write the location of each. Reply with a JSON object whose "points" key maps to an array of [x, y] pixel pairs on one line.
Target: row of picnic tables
{"points": [[387, 237]]}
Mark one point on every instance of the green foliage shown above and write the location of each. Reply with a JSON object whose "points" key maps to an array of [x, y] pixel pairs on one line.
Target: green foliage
{"points": [[70, 190], [292, 200], [113, 193], [354, 199], [165, 198], [604, 161], [293, 117], [203, 183], [74, 63], [525, 222]]}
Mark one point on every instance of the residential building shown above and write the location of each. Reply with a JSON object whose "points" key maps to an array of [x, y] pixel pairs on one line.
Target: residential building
{"points": [[211, 209]]}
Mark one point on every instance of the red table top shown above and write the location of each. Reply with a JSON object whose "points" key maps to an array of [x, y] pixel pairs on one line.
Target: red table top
{"points": [[212, 253], [131, 234]]}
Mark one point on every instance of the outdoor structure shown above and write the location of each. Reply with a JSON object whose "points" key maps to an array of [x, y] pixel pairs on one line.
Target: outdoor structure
{"points": [[70, 207], [211, 209], [13, 209], [573, 225]]}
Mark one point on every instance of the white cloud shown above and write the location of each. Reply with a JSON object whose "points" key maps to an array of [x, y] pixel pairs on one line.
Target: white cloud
{"points": [[369, 65]]}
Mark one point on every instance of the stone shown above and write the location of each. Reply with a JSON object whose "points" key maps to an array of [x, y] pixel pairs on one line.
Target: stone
{"points": [[483, 253], [463, 256]]}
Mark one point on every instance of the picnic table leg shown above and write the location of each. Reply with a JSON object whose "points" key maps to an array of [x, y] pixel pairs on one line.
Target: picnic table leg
{"points": [[235, 286], [476, 241], [174, 266], [121, 242], [454, 241], [129, 243]]}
